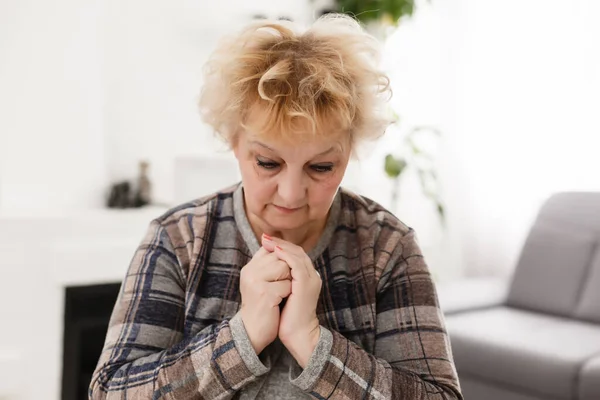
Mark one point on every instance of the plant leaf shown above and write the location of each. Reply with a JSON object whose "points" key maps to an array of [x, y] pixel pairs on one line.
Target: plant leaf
{"points": [[441, 210], [394, 166]]}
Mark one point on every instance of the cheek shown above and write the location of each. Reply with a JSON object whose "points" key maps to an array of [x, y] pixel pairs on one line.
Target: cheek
{"points": [[257, 187], [323, 191]]}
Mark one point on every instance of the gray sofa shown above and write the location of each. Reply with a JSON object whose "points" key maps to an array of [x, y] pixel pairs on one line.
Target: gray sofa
{"points": [[538, 338]]}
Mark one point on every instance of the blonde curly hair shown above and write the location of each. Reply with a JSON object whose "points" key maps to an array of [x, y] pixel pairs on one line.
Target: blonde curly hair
{"points": [[323, 80]]}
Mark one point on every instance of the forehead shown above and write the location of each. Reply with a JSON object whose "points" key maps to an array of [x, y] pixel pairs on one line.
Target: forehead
{"points": [[308, 148], [300, 135]]}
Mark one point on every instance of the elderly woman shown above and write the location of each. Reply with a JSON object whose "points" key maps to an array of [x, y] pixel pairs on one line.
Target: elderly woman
{"points": [[284, 286]]}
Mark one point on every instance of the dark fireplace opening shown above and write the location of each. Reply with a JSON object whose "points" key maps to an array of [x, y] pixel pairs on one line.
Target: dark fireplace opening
{"points": [[87, 313]]}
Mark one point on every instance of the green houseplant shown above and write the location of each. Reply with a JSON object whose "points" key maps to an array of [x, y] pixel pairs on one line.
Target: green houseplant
{"points": [[387, 11], [413, 156], [379, 17]]}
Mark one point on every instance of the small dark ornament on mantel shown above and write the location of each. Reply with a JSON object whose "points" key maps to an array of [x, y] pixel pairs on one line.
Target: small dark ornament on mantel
{"points": [[143, 195], [121, 193]]}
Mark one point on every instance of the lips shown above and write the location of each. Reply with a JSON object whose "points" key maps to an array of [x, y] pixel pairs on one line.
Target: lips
{"points": [[286, 209]]}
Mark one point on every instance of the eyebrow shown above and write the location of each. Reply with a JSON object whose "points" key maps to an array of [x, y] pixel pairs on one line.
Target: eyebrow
{"points": [[330, 150]]}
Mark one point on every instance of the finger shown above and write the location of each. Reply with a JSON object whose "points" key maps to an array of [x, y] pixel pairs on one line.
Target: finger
{"points": [[300, 254], [266, 257], [287, 246], [268, 243], [261, 253], [280, 289], [296, 264], [293, 249], [277, 270], [261, 257]]}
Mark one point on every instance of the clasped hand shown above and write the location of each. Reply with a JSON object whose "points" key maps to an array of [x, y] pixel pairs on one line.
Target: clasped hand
{"points": [[280, 270]]}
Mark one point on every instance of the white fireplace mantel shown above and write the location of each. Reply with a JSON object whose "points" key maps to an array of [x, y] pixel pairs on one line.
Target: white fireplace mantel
{"points": [[40, 256]]}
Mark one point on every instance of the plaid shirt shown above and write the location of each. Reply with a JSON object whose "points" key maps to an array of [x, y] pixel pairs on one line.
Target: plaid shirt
{"points": [[175, 331]]}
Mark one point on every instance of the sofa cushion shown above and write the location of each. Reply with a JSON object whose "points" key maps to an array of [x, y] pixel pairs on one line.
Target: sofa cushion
{"points": [[589, 304], [551, 271], [476, 389], [539, 353], [589, 380]]}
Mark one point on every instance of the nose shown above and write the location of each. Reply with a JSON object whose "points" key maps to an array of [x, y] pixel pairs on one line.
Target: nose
{"points": [[292, 188]]}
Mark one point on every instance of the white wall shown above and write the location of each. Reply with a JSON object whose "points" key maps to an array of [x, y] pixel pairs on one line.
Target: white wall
{"points": [[51, 103], [89, 88], [520, 107], [514, 89], [155, 55]]}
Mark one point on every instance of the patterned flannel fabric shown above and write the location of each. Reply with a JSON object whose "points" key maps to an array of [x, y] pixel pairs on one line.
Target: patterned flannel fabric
{"points": [[175, 331]]}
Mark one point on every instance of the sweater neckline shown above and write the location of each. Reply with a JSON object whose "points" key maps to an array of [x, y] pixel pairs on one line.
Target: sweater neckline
{"points": [[247, 233]]}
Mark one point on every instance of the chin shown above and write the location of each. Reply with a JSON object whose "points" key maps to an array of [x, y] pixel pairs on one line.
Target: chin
{"points": [[280, 222], [285, 224]]}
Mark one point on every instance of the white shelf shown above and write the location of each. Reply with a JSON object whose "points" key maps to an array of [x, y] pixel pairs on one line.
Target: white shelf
{"points": [[80, 247]]}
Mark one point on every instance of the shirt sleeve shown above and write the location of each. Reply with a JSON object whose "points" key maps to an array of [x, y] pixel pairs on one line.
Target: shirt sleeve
{"points": [[146, 356], [412, 357]]}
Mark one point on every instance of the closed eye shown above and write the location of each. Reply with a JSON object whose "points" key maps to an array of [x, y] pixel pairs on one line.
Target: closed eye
{"points": [[271, 165], [266, 164], [322, 168]]}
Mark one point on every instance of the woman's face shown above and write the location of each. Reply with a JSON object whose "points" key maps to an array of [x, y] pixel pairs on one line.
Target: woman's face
{"points": [[290, 186]]}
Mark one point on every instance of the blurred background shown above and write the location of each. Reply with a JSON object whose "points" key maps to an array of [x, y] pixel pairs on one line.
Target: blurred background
{"points": [[497, 109]]}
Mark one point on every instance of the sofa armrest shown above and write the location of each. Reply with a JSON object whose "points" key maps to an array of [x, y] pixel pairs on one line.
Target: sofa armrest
{"points": [[589, 379], [472, 294]]}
